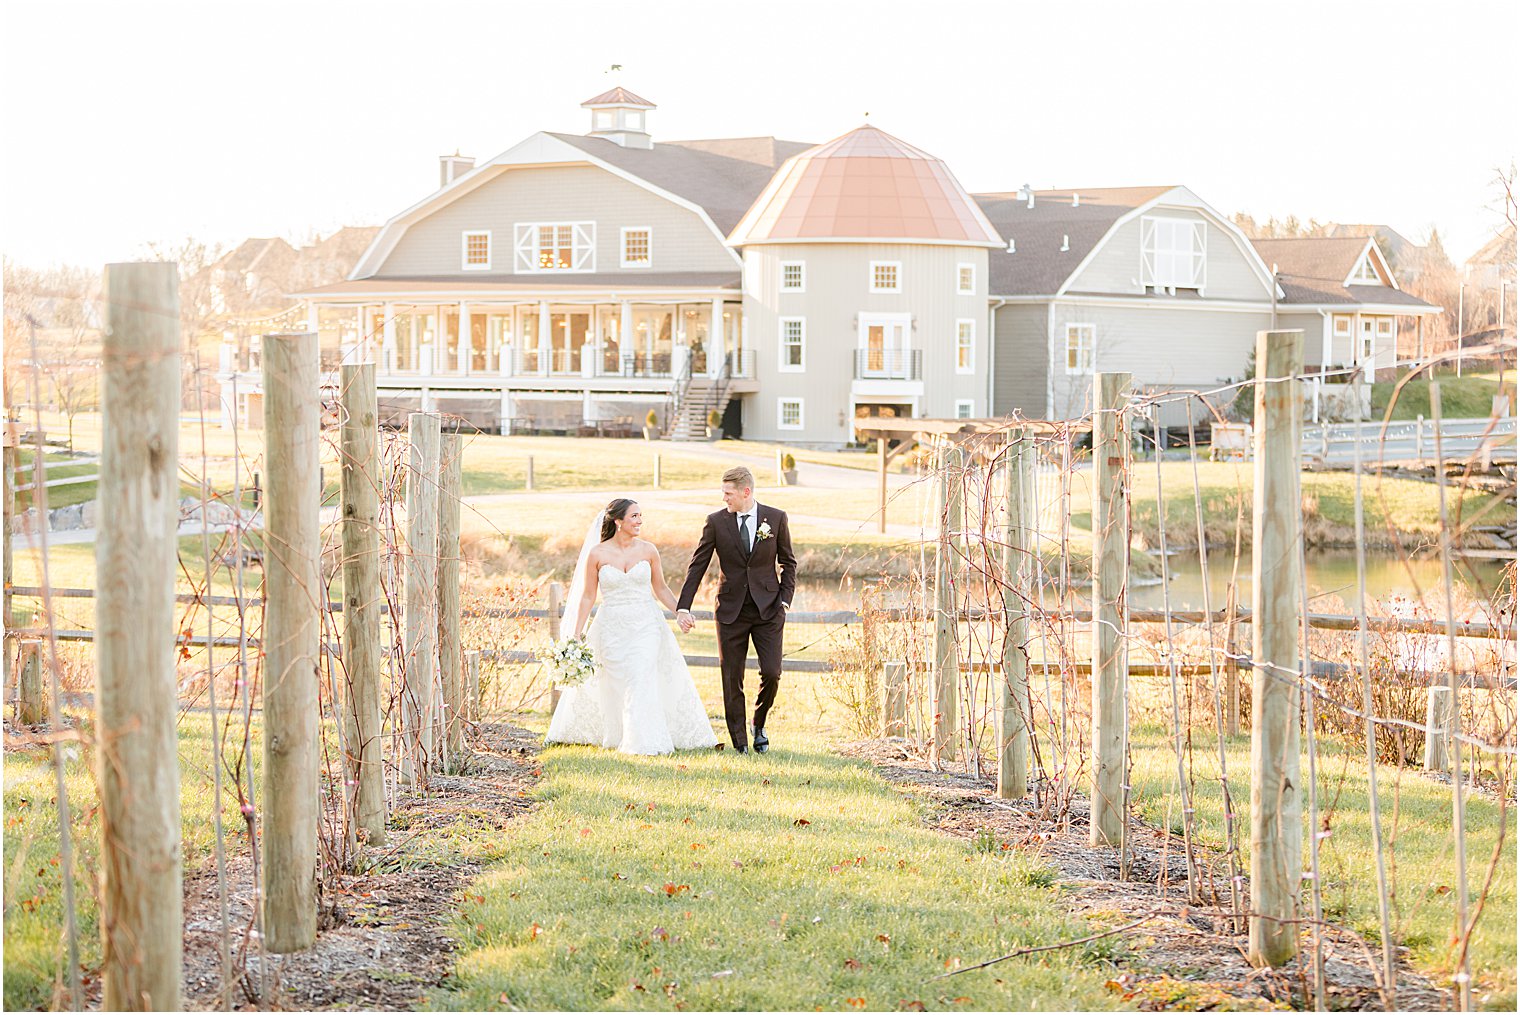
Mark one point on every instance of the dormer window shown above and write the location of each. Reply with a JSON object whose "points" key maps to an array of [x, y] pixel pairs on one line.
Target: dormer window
{"points": [[1366, 273], [1171, 253]]}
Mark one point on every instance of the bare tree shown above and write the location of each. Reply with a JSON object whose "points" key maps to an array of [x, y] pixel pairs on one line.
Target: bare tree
{"points": [[63, 305]]}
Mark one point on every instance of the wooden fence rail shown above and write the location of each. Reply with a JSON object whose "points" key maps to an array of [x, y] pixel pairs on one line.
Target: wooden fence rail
{"points": [[1319, 621]]}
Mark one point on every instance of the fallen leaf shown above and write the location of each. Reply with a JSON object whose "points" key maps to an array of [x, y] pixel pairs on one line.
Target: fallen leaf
{"points": [[852, 964], [800, 822]]}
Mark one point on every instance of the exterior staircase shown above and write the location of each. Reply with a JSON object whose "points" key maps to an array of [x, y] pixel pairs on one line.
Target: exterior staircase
{"points": [[691, 401]]}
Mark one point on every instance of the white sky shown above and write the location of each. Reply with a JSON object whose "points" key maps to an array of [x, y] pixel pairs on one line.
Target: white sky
{"points": [[128, 122]]}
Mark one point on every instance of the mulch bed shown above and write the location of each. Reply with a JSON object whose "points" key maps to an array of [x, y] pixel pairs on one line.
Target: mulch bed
{"points": [[383, 940], [1183, 957]]}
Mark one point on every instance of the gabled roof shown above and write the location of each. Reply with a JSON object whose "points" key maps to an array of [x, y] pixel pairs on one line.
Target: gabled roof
{"points": [[1038, 265], [619, 96], [1500, 250], [865, 185], [246, 256], [502, 283], [1317, 270], [722, 176]]}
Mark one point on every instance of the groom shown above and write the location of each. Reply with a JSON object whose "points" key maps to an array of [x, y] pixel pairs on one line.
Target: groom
{"points": [[753, 543]]}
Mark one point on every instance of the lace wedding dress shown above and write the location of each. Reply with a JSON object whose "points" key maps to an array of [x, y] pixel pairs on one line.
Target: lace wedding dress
{"points": [[641, 699]]}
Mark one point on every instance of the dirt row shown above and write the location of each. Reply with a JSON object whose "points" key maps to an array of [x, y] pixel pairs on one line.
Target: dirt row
{"points": [[1184, 956]]}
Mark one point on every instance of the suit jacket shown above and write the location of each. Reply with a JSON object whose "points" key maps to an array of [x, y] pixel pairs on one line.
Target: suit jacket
{"points": [[768, 573]]}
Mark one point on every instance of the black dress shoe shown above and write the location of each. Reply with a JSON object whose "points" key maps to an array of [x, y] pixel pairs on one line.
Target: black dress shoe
{"points": [[741, 749], [762, 742]]}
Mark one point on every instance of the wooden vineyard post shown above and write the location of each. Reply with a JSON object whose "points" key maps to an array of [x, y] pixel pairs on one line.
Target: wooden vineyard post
{"points": [[363, 597], [1013, 731], [472, 685], [421, 645], [1277, 826], [656, 470], [894, 699], [529, 483], [556, 600], [1110, 693], [292, 625], [1440, 723], [946, 677], [450, 648], [31, 702], [141, 898]]}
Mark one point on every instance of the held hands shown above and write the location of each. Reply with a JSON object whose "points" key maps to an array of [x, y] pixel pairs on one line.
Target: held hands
{"points": [[685, 621]]}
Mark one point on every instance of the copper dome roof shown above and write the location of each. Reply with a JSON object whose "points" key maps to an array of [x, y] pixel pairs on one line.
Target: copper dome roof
{"points": [[865, 185]]}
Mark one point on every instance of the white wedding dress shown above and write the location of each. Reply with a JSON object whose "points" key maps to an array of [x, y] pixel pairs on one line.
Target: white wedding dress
{"points": [[640, 699]]}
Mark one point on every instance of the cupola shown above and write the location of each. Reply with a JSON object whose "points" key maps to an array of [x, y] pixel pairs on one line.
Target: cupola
{"points": [[621, 117]]}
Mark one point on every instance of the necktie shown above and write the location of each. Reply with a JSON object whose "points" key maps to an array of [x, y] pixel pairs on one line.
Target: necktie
{"points": [[744, 532]]}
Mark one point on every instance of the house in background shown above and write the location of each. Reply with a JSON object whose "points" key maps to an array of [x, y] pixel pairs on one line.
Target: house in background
{"points": [[791, 288], [1342, 292], [252, 276], [1145, 280], [571, 278], [865, 270]]}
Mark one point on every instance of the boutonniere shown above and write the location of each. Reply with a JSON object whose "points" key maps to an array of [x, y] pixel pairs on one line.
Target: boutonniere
{"points": [[764, 531]]}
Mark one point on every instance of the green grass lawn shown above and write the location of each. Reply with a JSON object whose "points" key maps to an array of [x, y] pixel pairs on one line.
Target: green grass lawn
{"points": [[1417, 821], [1470, 396], [34, 953], [787, 881]]}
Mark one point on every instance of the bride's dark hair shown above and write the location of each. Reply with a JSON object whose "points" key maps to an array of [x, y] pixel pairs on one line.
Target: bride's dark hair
{"points": [[615, 512]]}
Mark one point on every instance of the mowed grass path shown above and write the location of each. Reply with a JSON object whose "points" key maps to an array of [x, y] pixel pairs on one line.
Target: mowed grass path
{"points": [[792, 880]]}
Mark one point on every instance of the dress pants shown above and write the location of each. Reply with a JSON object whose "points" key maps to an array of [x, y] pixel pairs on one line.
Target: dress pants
{"points": [[733, 651]]}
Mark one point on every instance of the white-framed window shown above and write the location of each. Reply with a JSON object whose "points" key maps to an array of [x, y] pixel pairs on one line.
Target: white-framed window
{"points": [[964, 407], [965, 279], [1367, 344], [606, 119], [555, 246], [638, 249], [793, 276], [1172, 253], [475, 250], [965, 346], [1385, 327], [793, 344], [789, 414], [1080, 339], [886, 276], [1342, 325], [1366, 272]]}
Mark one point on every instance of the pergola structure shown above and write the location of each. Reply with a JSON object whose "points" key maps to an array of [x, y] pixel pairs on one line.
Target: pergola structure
{"points": [[909, 433]]}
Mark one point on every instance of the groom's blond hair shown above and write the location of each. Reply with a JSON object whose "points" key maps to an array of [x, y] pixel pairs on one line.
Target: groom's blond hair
{"points": [[740, 476]]}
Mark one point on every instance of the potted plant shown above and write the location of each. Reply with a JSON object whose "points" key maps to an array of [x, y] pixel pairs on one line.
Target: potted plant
{"points": [[789, 469], [652, 426], [714, 425]]}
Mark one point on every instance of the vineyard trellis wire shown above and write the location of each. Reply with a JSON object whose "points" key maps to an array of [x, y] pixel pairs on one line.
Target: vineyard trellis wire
{"points": [[970, 549]]}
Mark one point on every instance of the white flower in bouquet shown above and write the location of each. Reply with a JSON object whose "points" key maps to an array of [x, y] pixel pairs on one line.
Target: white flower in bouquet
{"points": [[570, 662]]}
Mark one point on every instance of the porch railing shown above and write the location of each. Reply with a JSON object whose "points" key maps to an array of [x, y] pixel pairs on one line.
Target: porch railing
{"points": [[889, 364]]}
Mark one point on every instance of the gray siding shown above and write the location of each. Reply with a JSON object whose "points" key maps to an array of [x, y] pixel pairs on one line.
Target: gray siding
{"points": [[1023, 360], [1164, 349], [837, 293], [681, 240], [1115, 268]]}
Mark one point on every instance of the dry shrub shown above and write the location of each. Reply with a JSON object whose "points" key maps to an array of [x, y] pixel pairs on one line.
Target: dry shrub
{"points": [[853, 680], [494, 622]]}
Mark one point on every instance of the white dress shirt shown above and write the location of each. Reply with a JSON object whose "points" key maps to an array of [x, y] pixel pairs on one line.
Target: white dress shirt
{"points": [[749, 526]]}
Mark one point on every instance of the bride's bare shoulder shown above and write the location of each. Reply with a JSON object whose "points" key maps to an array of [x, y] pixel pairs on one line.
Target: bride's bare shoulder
{"points": [[649, 549]]}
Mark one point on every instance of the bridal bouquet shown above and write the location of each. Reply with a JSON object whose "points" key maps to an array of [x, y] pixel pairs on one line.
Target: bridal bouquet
{"points": [[570, 662]]}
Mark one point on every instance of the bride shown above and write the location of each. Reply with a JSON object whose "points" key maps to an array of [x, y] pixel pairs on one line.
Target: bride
{"points": [[640, 699]]}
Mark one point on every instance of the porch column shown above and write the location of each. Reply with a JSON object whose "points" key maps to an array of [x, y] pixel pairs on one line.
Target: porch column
{"points": [[625, 329], [715, 339], [505, 411], [586, 416], [313, 319], [505, 364], [465, 347], [595, 347], [388, 338], [545, 340]]}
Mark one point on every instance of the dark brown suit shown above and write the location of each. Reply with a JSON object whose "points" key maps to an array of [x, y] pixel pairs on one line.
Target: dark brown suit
{"points": [[751, 592]]}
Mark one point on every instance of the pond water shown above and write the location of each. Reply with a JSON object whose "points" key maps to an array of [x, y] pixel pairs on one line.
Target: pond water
{"points": [[1332, 576]]}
